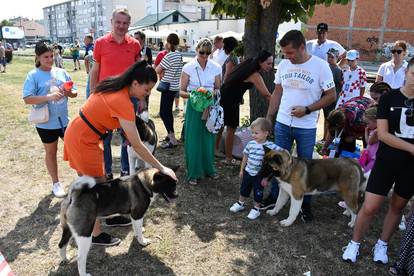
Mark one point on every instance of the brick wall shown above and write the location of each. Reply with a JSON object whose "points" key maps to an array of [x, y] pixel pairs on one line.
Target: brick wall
{"points": [[367, 31]]}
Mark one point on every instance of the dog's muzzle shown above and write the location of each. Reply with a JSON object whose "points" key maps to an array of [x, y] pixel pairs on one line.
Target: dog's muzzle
{"points": [[170, 198]]}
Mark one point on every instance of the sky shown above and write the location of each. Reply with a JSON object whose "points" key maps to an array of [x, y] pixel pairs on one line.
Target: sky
{"points": [[32, 9]]}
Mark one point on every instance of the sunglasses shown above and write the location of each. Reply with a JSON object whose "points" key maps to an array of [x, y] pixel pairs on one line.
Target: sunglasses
{"points": [[204, 53], [396, 51]]}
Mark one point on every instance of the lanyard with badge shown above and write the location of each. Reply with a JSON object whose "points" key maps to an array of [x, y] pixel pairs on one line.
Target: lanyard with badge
{"points": [[333, 148]]}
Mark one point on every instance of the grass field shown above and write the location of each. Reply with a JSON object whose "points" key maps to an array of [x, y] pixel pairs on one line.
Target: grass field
{"points": [[196, 236]]}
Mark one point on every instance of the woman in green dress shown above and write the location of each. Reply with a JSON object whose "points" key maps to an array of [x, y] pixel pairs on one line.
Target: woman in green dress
{"points": [[199, 142]]}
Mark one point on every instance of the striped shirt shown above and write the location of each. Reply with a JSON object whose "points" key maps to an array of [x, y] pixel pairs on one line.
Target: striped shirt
{"points": [[172, 63], [255, 154]]}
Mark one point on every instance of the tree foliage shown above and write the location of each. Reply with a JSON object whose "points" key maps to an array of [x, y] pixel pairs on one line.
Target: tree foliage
{"points": [[290, 9], [5, 22]]}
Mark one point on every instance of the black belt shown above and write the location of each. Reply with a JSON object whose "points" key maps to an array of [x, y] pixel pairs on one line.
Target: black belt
{"points": [[101, 135]]}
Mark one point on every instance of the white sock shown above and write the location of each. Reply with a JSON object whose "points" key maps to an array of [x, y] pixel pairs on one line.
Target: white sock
{"points": [[383, 243], [355, 243]]}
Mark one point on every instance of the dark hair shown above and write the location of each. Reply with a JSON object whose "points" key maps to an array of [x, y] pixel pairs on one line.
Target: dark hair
{"points": [[89, 36], [246, 68], [40, 49], [229, 44], [141, 34], [380, 87], [402, 44], [173, 40], [294, 37], [410, 63], [139, 71], [336, 120]]}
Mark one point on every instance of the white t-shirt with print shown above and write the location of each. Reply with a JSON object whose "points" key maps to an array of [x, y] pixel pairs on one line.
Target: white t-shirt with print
{"points": [[394, 79], [353, 81], [207, 76], [313, 48], [219, 56], [302, 85]]}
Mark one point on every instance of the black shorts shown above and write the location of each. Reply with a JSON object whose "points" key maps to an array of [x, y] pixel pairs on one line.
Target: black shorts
{"points": [[50, 135], [231, 110], [392, 169]]}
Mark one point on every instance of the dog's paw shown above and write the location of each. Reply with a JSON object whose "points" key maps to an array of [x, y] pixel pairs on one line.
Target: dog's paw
{"points": [[286, 222], [144, 242], [271, 212]]}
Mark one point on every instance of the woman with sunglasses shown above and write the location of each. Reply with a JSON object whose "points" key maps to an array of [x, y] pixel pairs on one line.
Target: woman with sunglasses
{"points": [[393, 71], [198, 141], [394, 166], [243, 77]]}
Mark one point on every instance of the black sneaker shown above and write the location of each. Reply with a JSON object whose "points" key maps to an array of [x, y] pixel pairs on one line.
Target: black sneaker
{"points": [[109, 176], [117, 221], [105, 239], [268, 202], [306, 212], [124, 173]]}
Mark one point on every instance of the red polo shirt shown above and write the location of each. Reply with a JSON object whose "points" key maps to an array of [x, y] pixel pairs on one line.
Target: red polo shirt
{"points": [[115, 58]]}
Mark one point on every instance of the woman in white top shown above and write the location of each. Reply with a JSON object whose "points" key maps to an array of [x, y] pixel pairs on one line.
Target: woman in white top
{"points": [[199, 142], [393, 71]]}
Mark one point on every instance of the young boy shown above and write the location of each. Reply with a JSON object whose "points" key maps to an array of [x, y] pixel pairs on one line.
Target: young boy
{"points": [[251, 164], [354, 79], [88, 59]]}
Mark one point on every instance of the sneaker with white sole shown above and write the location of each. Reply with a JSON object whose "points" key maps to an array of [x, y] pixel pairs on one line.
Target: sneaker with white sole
{"points": [[380, 253], [237, 207], [351, 251], [253, 214], [57, 190]]}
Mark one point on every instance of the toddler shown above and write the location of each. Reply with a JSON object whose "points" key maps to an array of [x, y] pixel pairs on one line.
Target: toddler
{"points": [[251, 164]]}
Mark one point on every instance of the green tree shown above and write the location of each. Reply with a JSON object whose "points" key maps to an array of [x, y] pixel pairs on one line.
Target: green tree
{"points": [[262, 18], [5, 22]]}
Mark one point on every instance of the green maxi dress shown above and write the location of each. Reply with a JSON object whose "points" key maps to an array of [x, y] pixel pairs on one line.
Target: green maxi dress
{"points": [[198, 146]]}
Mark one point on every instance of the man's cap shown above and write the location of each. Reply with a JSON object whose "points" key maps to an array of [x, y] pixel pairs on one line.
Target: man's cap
{"points": [[334, 52], [322, 27], [352, 55]]}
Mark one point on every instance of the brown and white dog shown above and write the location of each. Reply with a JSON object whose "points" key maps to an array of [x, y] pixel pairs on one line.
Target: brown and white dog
{"points": [[299, 177]]}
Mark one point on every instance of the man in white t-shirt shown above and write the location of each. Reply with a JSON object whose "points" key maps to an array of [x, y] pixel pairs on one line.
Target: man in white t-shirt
{"points": [[297, 98], [319, 47], [218, 54]]}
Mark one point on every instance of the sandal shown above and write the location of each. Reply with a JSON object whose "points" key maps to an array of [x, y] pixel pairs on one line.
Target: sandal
{"points": [[193, 182], [167, 145], [232, 162]]}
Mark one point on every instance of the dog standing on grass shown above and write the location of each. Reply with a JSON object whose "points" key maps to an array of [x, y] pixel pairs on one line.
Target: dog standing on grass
{"points": [[130, 195], [298, 177]]}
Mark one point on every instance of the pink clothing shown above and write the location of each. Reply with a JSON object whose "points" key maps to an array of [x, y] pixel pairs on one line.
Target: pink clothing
{"points": [[368, 156]]}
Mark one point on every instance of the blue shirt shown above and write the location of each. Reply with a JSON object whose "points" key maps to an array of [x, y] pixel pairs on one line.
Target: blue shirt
{"points": [[38, 83], [255, 154]]}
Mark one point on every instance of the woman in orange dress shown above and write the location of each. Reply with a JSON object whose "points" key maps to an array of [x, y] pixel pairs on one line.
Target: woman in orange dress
{"points": [[109, 108]]}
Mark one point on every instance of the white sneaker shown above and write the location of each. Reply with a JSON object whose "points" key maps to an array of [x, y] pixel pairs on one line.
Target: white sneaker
{"points": [[351, 252], [58, 190], [237, 207], [253, 214], [380, 253], [402, 225]]}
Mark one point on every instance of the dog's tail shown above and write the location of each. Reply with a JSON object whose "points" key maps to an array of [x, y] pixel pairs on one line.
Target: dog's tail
{"points": [[82, 182]]}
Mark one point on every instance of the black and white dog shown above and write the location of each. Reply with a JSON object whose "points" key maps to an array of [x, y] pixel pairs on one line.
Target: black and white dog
{"points": [[127, 195], [148, 135]]}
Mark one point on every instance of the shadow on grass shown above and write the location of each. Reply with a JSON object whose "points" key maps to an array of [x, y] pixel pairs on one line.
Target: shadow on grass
{"points": [[38, 227], [136, 261]]}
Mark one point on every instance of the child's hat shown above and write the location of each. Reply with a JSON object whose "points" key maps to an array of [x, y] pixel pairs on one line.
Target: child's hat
{"points": [[334, 52], [352, 55]]}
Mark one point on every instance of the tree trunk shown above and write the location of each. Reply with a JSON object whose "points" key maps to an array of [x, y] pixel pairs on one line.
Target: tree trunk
{"points": [[260, 34]]}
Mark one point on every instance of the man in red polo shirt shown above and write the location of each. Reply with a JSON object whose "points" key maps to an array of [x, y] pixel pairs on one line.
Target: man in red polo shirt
{"points": [[114, 53]]}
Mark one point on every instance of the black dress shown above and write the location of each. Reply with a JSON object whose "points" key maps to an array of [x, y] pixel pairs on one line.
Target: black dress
{"points": [[231, 96]]}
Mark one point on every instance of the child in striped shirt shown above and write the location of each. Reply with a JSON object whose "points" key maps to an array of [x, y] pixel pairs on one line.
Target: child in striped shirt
{"points": [[251, 164]]}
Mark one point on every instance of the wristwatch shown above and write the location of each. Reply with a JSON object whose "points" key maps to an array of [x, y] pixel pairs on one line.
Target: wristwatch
{"points": [[307, 110]]}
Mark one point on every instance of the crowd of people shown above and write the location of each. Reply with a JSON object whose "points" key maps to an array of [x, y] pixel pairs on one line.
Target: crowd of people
{"points": [[314, 75]]}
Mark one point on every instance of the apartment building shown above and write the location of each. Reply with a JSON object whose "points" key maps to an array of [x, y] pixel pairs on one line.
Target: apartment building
{"points": [[72, 20]]}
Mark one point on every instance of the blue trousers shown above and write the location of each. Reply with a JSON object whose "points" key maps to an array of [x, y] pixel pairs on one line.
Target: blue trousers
{"points": [[305, 142], [252, 182]]}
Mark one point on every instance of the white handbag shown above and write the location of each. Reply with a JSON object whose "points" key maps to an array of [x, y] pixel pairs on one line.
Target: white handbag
{"points": [[39, 115]]}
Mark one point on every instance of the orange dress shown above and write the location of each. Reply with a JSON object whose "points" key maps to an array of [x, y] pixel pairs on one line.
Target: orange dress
{"points": [[82, 147]]}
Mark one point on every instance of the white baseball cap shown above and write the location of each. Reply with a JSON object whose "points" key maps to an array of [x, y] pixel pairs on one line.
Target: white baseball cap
{"points": [[352, 55]]}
